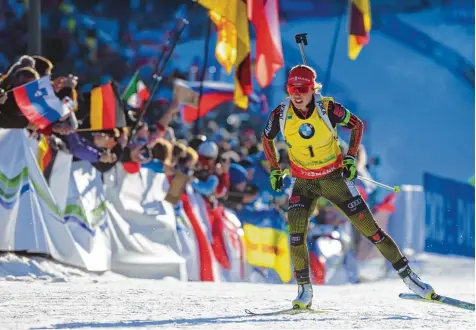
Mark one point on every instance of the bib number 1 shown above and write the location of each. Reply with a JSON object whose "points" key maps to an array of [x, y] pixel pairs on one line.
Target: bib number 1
{"points": [[311, 152]]}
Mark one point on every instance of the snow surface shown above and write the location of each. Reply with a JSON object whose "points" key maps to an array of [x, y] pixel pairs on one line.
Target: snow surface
{"points": [[17, 268], [105, 302]]}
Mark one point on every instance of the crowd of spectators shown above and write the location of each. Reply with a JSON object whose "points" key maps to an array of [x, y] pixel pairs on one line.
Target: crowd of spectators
{"points": [[224, 163]]}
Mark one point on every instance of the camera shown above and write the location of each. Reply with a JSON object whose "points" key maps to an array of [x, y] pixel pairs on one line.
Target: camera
{"points": [[201, 175]]}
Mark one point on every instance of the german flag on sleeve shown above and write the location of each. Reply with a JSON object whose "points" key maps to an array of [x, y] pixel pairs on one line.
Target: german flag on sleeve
{"points": [[102, 109]]}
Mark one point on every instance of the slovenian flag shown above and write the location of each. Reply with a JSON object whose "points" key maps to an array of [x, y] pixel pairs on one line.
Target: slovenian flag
{"points": [[38, 102]]}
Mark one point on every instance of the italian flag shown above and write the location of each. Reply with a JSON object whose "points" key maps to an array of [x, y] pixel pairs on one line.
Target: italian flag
{"points": [[136, 93]]}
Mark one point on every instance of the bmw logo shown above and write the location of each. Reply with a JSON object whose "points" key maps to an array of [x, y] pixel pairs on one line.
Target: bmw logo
{"points": [[306, 131]]}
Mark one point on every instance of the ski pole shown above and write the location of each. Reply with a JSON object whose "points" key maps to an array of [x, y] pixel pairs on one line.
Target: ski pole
{"points": [[287, 172], [301, 40], [395, 188], [157, 76]]}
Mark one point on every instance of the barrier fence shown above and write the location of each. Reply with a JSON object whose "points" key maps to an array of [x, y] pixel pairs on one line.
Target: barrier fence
{"points": [[121, 222]]}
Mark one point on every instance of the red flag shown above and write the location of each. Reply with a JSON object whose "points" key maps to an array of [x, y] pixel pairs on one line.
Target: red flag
{"points": [[264, 16], [203, 243]]}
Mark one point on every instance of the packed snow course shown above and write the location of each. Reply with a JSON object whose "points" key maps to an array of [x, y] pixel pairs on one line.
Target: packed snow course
{"points": [[40, 294]]}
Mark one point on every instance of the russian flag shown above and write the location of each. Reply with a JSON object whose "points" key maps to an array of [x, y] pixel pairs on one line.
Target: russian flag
{"points": [[38, 102], [213, 94]]}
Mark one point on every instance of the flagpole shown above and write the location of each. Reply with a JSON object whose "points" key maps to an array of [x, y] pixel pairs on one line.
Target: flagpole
{"points": [[157, 77], [158, 58], [203, 73], [162, 50], [330, 62], [34, 27]]}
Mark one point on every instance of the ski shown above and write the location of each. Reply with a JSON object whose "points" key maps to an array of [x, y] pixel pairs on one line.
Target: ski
{"points": [[288, 311], [436, 298]]}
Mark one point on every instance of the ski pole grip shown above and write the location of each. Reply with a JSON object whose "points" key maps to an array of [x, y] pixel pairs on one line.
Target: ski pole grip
{"points": [[301, 38]]}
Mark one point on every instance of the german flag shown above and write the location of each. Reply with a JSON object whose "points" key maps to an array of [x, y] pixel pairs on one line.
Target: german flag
{"points": [[102, 109], [359, 26], [44, 153]]}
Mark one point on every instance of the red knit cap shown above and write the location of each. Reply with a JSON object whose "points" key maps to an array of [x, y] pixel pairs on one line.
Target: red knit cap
{"points": [[301, 75]]}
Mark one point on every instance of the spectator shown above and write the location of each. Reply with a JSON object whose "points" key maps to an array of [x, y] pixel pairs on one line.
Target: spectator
{"points": [[249, 142], [212, 178], [241, 193], [161, 161], [267, 198], [18, 74]]}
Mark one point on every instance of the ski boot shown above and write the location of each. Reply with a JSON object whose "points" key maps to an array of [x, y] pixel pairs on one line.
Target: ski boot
{"points": [[304, 297], [414, 283]]}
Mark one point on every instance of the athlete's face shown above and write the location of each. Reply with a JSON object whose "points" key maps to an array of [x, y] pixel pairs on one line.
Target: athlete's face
{"points": [[300, 95]]}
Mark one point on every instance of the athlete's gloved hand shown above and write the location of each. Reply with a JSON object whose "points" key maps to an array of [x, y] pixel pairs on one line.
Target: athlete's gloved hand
{"points": [[276, 180], [350, 170]]}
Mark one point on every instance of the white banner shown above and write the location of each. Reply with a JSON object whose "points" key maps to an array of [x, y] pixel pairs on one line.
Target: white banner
{"points": [[188, 241], [29, 216], [60, 177], [85, 214], [18, 205], [146, 243]]}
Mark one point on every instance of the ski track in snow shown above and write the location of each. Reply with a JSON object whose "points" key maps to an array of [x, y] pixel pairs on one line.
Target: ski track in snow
{"points": [[132, 303]]}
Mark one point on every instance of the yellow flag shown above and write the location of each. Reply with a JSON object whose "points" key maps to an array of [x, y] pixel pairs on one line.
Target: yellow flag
{"points": [[225, 50], [268, 247], [236, 14], [44, 153], [359, 26]]}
